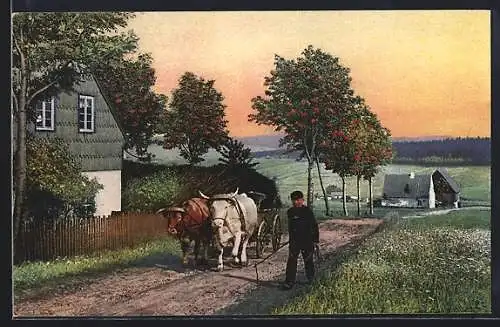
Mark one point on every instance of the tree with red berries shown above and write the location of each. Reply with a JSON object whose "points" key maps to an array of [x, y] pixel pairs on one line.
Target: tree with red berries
{"points": [[195, 121], [305, 98], [128, 83]]}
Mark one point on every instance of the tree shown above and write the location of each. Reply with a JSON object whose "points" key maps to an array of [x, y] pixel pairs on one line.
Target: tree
{"points": [[196, 119], [47, 56], [304, 98], [378, 152], [236, 155], [56, 188], [128, 83]]}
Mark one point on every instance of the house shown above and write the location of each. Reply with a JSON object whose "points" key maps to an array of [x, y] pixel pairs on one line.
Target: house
{"points": [[87, 121], [420, 191]]}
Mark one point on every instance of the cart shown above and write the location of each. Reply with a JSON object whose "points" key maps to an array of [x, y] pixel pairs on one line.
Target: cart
{"points": [[270, 230]]}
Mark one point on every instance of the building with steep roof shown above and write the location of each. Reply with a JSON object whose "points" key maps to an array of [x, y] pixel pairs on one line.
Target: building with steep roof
{"points": [[87, 121], [420, 191]]}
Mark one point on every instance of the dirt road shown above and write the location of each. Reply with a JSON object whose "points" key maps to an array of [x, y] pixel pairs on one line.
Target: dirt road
{"points": [[159, 286]]}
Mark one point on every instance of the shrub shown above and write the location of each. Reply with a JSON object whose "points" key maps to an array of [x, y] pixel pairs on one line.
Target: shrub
{"points": [[236, 155], [150, 193], [56, 189]]}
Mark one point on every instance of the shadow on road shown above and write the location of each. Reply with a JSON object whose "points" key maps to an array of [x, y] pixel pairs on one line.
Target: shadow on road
{"points": [[267, 296]]}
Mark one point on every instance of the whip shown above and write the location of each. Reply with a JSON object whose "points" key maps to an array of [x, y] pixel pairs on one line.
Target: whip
{"points": [[262, 260]]}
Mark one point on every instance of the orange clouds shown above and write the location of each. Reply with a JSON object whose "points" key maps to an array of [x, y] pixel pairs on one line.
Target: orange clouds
{"points": [[422, 72]]}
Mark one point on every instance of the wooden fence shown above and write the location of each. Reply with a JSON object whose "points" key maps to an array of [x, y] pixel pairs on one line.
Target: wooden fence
{"points": [[47, 241]]}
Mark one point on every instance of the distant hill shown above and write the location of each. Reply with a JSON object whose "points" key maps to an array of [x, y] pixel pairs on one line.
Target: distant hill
{"points": [[407, 149], [260, 143]]}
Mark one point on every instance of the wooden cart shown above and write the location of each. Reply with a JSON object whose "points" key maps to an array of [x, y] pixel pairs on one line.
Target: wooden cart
{"points": [[270, 230]]}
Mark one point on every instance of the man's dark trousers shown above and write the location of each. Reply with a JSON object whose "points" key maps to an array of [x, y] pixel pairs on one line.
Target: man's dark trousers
{"points": [[294, 250]]}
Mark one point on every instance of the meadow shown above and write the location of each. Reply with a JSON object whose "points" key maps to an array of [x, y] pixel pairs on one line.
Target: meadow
{"points": [[438, 264], [432, 264], [291, 175]]}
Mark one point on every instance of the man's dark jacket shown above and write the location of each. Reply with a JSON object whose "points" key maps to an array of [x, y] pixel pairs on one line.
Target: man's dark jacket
{"points": [[302, 226]]}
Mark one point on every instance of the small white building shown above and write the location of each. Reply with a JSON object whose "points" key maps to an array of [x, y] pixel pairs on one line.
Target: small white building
{"points": [[420, 191]]}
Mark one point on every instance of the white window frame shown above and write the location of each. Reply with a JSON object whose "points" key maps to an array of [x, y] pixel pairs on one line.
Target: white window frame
{"points": [[44, 115], [85, 110]]}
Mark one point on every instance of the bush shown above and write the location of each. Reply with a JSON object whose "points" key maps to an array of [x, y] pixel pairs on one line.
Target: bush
{"points": [[150, 193], [210, 180], [56, 189]]}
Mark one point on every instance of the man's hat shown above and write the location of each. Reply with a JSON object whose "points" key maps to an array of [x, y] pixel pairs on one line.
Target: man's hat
{"points": [[296, 195]]}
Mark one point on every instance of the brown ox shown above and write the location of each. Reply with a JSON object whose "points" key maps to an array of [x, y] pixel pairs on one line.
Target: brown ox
{"points": [[189, 222]]}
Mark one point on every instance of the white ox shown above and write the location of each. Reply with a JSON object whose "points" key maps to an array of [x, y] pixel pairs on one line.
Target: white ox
{"points": [[234, 217]]}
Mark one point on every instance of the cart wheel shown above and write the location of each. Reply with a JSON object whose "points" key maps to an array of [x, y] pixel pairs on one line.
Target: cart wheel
{"points": [[261, 239], [277, 232]]}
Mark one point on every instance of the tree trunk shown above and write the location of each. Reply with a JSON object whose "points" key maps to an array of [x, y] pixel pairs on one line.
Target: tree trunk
{"points": [[370, 191], [358, 200], [344, 200], [323, 189], [20, 162], [309, 184]]}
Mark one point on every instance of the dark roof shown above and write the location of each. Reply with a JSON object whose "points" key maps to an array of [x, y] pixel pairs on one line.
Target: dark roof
{"points": [[454, 186], [419, 186], [111, 107]]}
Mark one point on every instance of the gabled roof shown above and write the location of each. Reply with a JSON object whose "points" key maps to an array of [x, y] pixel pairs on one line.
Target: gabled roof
{"points": [[454, 185], [111, 107], [395, 185]]}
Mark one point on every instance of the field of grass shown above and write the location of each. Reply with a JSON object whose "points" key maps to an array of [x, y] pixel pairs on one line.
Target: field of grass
{"points": [[291, 175], [32, 275], [437, 264], [473, 180]]}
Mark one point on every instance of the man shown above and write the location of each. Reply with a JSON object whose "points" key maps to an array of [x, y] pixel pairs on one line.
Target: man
{"points": [[303, 237]]}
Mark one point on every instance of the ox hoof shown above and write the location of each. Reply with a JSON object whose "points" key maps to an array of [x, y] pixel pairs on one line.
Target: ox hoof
{"points": [[220, 268]]}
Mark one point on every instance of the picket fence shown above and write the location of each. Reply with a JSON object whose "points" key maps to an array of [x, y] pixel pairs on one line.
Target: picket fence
{"points": [[47, 241]]}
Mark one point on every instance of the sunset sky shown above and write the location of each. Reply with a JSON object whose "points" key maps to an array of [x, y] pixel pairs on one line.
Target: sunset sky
{"points": [[423, 72]]}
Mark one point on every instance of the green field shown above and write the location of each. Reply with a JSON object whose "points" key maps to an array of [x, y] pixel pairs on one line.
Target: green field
{"points": [[473, 180], [291, 175], [437, 264]]}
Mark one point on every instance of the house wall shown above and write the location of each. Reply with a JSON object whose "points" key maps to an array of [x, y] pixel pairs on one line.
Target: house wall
{"points": [[97, 151], [432, 196], [108, 199]]}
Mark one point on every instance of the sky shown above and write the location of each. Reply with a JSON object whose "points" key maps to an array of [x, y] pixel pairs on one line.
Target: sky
{"points": [[424, 73]]}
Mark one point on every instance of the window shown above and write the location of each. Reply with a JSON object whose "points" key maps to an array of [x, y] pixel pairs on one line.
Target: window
{"points": [[86, 114], [45, 115]]}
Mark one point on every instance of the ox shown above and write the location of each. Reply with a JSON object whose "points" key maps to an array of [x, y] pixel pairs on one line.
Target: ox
{"points": [[234, 217], [188, 222]]}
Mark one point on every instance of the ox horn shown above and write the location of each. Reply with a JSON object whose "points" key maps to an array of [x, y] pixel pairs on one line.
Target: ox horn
{"points": [[203, 195], [171, 209], [236, 192]]}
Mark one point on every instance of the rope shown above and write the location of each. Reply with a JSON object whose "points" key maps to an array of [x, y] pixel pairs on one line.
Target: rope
{"points": [[270, 255]]}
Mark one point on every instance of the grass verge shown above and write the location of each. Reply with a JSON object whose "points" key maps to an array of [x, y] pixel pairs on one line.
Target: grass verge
{"points": [[440, 266], [32, 276]]}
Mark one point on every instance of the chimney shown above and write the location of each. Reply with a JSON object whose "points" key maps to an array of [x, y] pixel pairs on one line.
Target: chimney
{"points": [[412, 175]]}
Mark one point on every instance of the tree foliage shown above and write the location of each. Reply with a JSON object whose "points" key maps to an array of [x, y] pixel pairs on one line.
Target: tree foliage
{"points": [[305, 98], [56, 187], [234, 154], [196, 120], [128, 83]]}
